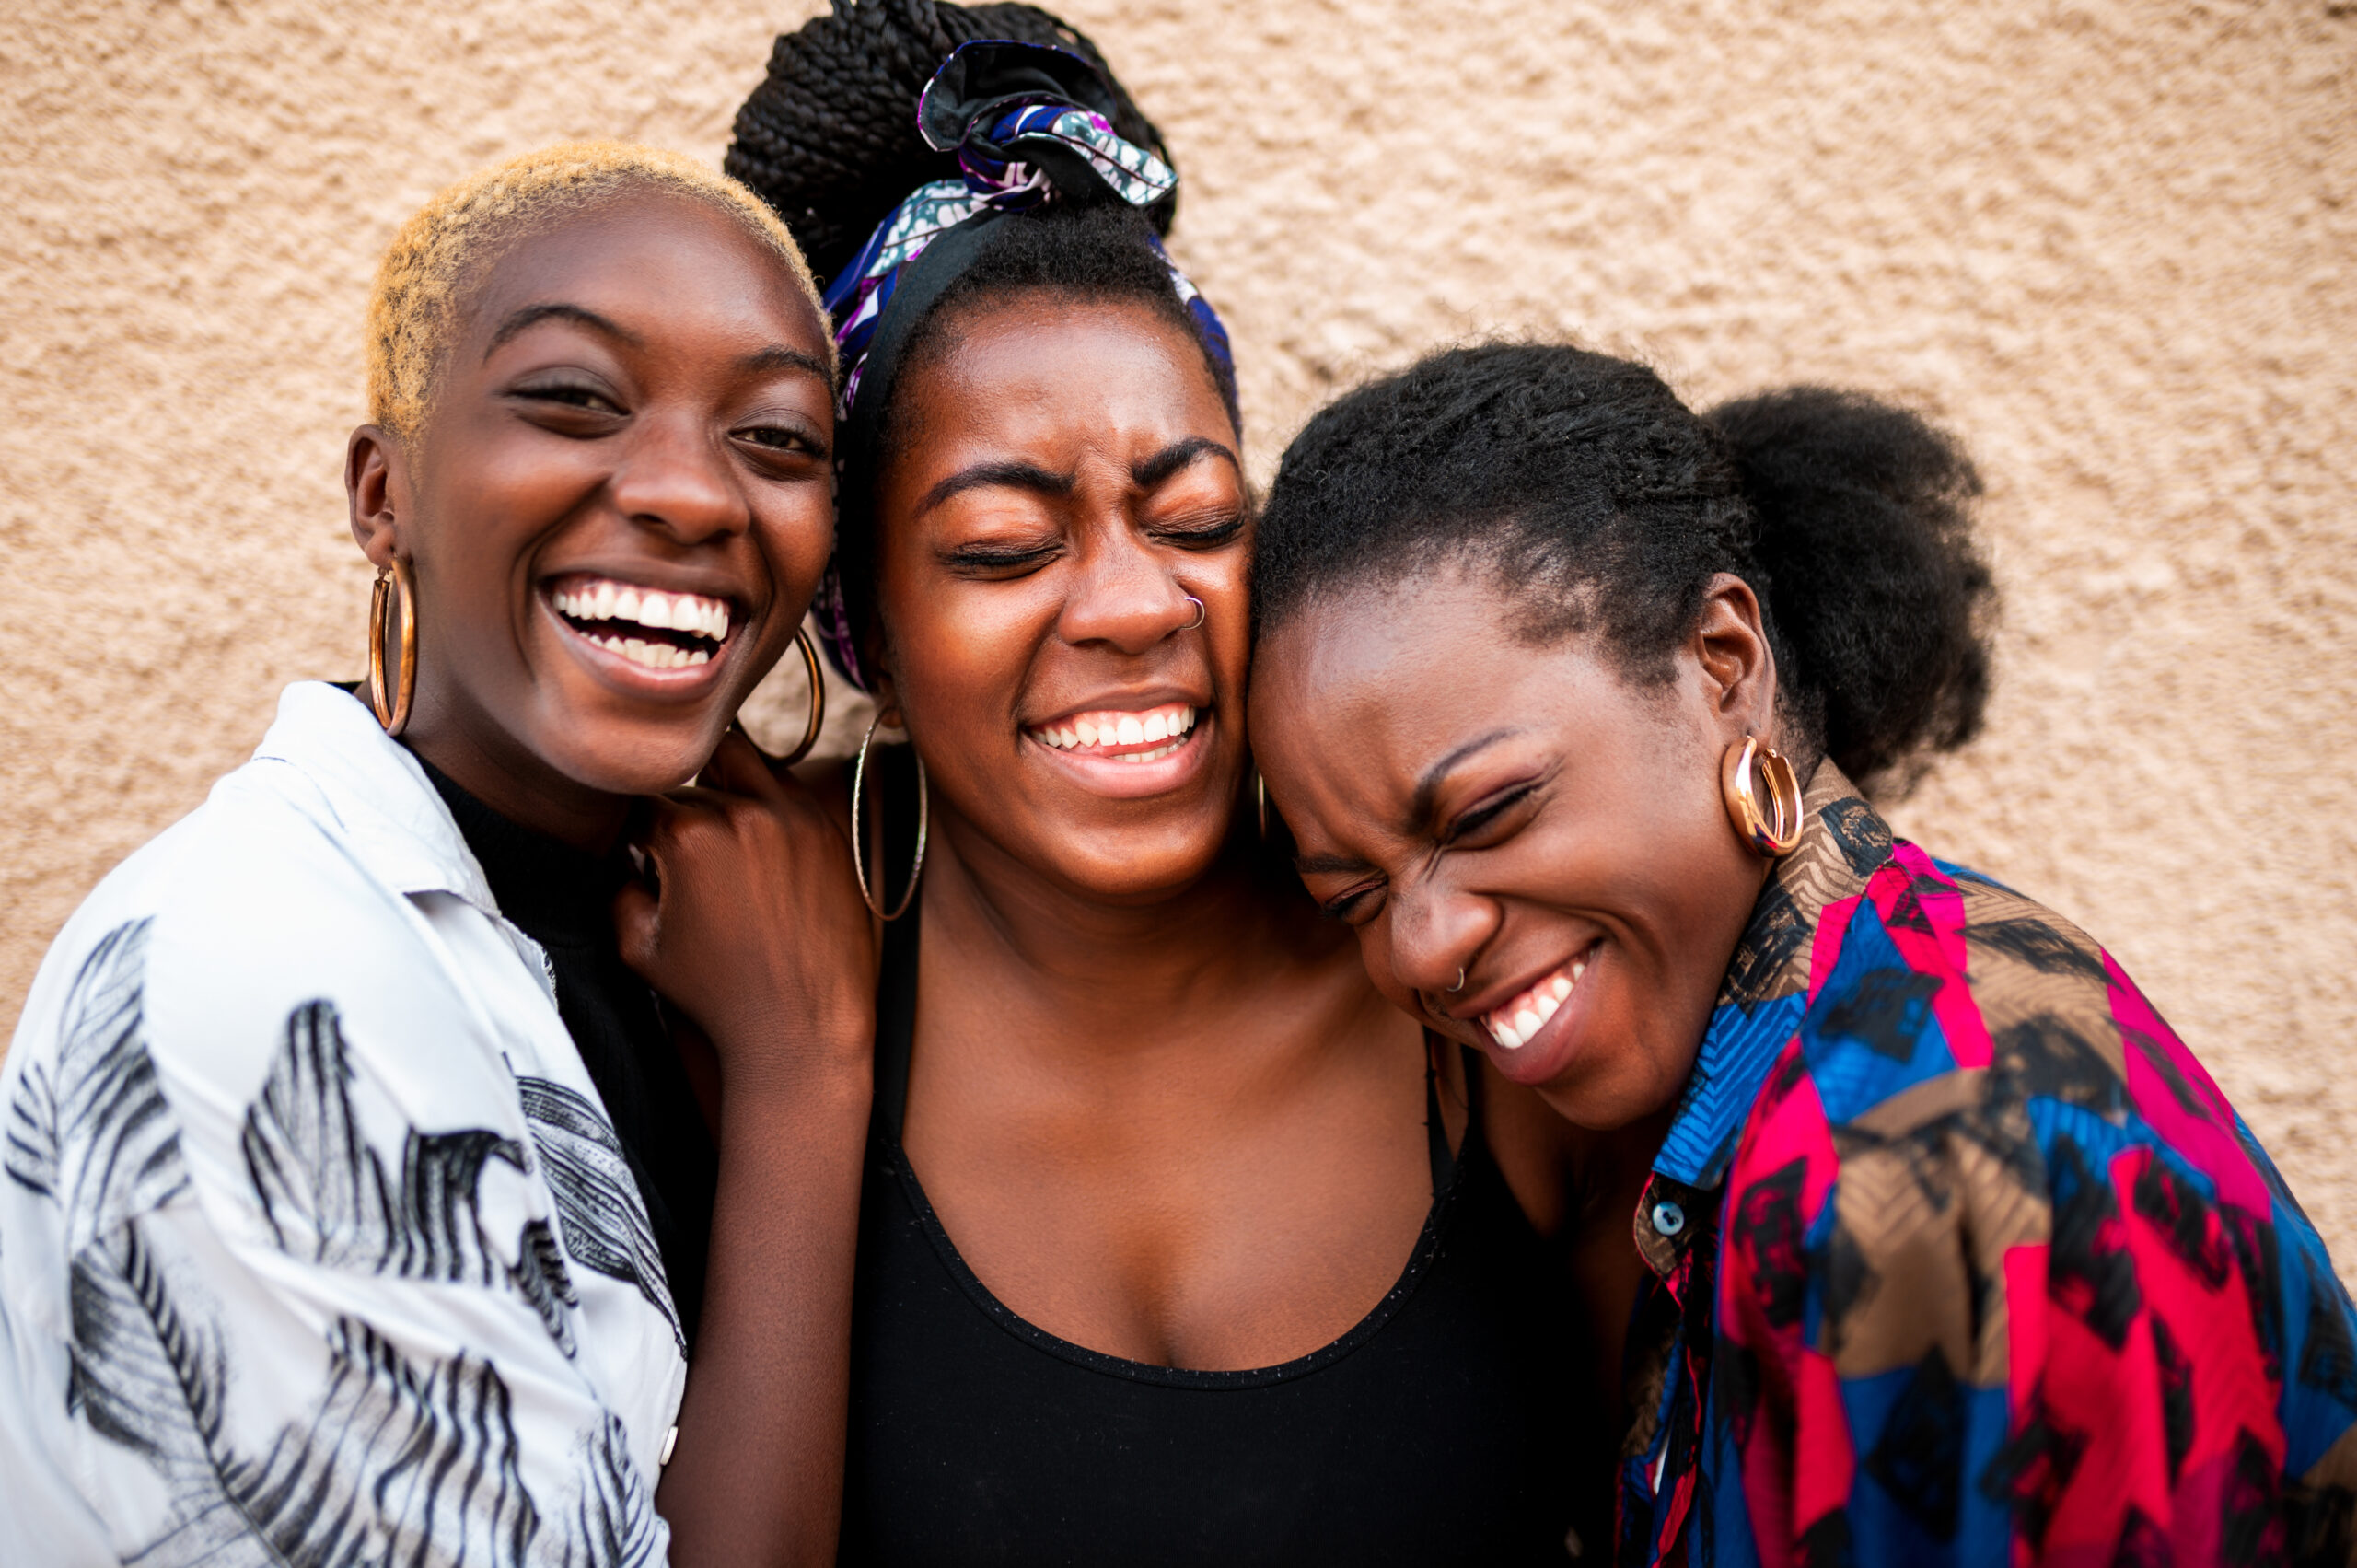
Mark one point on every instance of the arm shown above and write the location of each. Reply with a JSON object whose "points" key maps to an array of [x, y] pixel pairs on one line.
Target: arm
{"points": [[759, 936]]}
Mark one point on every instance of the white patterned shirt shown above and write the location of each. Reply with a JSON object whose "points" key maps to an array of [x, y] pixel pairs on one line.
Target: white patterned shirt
{"points": [[316, 1241]]}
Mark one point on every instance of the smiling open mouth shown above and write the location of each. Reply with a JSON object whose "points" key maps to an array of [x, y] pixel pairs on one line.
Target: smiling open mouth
{"points": [[1519, 1017], [646, 626], [1146, 736]]}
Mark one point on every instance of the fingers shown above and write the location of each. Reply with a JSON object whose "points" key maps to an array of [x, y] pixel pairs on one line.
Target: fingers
{"points": [[739, 768], [638, 924]]}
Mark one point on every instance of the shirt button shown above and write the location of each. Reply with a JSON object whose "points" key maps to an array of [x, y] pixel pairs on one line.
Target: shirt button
{"points": [[1668, 1218]]}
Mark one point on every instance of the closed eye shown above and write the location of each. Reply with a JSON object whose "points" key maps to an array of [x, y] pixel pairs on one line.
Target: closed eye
{"points": [[1209, 536], [1487, 814], [1354, 907], [980, 558]]}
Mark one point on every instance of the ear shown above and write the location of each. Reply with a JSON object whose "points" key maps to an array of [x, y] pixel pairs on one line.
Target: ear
{"points": [[877, 662], [1730, 645], [376, 485]]}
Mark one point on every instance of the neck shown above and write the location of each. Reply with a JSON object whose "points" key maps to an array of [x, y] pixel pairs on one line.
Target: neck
{"points": [[491, 766], [1094, 959]]}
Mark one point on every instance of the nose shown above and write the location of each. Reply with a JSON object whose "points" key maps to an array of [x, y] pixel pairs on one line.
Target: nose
{"points": [[674, 478], [1438, 931], [1125, 597]]}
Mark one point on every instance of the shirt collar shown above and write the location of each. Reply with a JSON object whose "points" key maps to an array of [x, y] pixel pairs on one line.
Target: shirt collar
{"points": [[1767, 984], [392, 819]]}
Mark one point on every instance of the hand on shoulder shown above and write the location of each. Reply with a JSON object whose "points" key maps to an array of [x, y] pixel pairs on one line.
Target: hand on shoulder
{"points": [[754, 927]]}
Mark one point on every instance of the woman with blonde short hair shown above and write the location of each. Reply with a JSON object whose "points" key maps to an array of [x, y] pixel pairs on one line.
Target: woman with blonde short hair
{"points": [[355, 1193]]}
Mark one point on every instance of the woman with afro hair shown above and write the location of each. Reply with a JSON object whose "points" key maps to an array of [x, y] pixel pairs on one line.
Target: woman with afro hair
{"points": [[1916, 1235]]}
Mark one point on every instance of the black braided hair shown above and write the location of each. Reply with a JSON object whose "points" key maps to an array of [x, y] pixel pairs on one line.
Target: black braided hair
{"points": [[829, 137], [829, 140], [1585, 481]]}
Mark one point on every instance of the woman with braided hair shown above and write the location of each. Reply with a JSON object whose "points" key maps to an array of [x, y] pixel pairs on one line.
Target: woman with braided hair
{"points": [[1175, 1245]]}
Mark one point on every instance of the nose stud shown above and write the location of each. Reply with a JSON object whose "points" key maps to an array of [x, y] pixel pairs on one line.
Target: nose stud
{"points": [[1460, 981], [1200, 613]]}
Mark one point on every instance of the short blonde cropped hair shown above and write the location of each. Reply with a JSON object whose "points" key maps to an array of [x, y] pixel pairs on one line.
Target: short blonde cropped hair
{"points": [[413, 311]]}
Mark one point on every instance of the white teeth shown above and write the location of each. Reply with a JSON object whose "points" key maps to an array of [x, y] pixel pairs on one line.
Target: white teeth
{"points": [[1512, 1025], [701, 655], [609, 600], [1150, 729]]}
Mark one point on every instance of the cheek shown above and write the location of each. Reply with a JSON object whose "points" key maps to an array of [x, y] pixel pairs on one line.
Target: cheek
{"points": [[796, 534], [1374, 951]]}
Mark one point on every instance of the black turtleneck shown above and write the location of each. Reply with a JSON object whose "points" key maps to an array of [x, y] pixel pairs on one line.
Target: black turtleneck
{"points": [[562, 898]]}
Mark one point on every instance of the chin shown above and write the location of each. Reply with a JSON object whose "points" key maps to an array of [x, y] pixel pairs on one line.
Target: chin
{"points": [[643, 759], [1135, 867]]}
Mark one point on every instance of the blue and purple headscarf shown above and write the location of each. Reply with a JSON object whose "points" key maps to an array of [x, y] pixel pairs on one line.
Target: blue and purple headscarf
{"points": [[1031, 126]]}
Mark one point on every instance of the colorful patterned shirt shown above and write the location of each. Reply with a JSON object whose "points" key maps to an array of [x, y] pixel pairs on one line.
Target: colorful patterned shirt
{"points": [[1959, 1256]]}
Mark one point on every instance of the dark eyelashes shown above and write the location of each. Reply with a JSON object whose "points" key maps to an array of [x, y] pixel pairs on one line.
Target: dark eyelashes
{"points": [[1218, 533], [977, 558], [1481, 817], [1342, 909]]}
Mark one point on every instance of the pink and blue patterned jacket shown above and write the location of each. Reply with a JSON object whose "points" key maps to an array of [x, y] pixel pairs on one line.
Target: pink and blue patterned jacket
{"points": [[1959, 1257]]}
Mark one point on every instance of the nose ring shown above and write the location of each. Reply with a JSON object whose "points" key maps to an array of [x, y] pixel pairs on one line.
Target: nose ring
{"points": [[1199, 612], [1460, 981]]}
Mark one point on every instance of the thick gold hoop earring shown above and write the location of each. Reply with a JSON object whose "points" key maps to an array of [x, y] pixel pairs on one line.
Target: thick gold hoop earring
{"points": [[396, 581], [818, 707], [858, 840], [1777, 830]]}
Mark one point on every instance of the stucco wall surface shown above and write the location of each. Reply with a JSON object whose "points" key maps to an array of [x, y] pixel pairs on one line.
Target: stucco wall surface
{"points": [[2114, 246]]}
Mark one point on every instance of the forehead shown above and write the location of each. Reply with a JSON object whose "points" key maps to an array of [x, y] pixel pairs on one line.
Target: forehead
{"points": [[1041, 369], [646, 254], [1363, 689]]}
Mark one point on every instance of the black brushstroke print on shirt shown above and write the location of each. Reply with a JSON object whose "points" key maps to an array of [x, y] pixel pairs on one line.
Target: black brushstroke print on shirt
{"points": [[395, 1459], [597, 1200]]}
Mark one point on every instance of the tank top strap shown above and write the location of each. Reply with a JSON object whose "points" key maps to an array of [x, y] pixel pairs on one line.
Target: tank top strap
{"points": [[1445, 1160]]}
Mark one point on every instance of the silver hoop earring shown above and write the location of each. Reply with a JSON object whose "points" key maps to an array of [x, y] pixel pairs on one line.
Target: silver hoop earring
{"points": [[858, 840], [1200, 614], [1460, 981]]}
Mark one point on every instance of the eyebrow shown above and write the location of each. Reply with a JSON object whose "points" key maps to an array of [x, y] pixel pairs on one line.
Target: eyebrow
{"points": [[1145, 473], [1150, 472], [1312, 865], [1011, 475], [777, 356], [533, 315], [1420, 807]]}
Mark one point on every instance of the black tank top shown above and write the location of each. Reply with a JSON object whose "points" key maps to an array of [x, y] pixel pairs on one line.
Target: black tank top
{"points": [[1434, 1432]]}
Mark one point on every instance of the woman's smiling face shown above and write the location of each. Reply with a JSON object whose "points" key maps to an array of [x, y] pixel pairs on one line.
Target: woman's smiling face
{"points": [[618, 507], [1066, 480], [1523, 814]]}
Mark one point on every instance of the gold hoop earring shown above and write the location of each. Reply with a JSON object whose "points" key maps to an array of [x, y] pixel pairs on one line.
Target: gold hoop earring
{"points": [[1776, 832], [858, 854], [818, 707], [392, 712]]}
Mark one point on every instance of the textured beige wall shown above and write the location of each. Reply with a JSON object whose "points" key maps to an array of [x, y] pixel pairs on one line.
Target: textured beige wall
{"points": [[2115, 246]]}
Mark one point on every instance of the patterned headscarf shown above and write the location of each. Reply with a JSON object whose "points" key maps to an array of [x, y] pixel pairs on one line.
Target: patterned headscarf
{"points": [[1030, 126]]}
